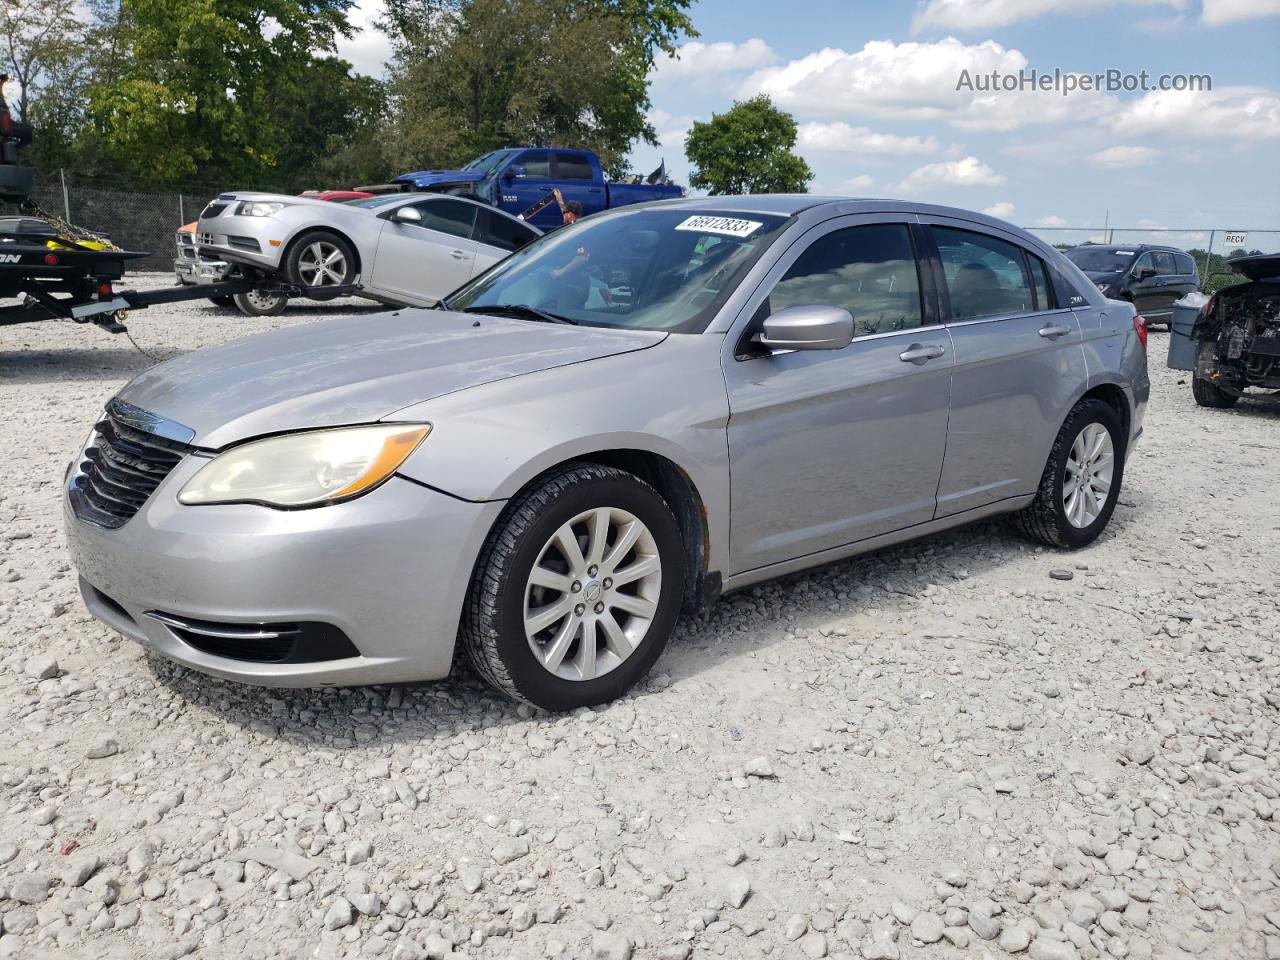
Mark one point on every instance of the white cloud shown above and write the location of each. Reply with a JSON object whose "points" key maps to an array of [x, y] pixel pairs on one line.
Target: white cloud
{"points": [[989, 14], [671, 129], [858, 184], [968, 172], [699, 61], [1122, 156], [840, 137], [1233, 113], [1215, 13], [1003, 210], [918, 81], [368, 49], [1051, 221]]}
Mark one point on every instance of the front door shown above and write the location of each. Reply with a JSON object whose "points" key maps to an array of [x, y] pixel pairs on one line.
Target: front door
{"points": [[830, 447], [1019, 365], [534, 183], [424, 261]]}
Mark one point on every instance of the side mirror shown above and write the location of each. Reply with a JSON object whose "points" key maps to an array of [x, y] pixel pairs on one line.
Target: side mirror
{"points": [[407, 215], [515, 172], [814, 327], [1146, 273]]}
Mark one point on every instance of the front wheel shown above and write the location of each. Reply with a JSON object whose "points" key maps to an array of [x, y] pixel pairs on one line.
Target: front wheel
{"points": [[321, 259], [223, 300], [577, 589], [1211, 395], [1081, 480]]}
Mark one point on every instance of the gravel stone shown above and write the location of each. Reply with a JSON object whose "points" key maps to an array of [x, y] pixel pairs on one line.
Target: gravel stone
{"points": [[927, 927]]}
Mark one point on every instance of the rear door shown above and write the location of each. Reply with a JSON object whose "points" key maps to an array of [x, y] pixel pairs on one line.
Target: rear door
{"points": [[828, 447], [496, 236], [422, 262], [579, 180], [1019, 363]]}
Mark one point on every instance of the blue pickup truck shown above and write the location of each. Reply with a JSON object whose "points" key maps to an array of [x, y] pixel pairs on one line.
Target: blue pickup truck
{"points": [[517, 178]]}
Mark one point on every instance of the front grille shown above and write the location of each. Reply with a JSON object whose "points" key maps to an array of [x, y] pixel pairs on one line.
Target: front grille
{"points": [[307, 642], [120, 468], [245, 243], [212, 210]]}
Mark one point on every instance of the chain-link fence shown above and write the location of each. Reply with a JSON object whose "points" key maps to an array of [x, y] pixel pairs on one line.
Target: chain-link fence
{"points": [[1210, 246], [133, 215]]}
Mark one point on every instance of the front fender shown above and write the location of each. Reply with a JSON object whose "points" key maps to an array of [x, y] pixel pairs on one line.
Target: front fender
{"points": [[490, 441]]}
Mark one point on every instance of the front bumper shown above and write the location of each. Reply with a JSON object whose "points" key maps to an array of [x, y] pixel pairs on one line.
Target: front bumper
{"points": [[255, 241], [390, 570]]}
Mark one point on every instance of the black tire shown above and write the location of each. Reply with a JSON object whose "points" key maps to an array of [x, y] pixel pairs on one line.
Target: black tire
{"points": [[300, 248], [1045, 518], [258, 304], [223, 300], [493, 633], [1211, 395]]}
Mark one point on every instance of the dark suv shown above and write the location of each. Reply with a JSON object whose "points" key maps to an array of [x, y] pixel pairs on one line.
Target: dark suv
{"points": [[1150, 278]]}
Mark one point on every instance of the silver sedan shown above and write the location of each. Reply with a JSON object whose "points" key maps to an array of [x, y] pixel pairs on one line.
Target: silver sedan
{"points": [[403, 249], [615, 424]]}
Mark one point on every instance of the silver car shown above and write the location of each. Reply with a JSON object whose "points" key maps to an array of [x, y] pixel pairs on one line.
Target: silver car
{"points": [[404, 249], [619, 422]]}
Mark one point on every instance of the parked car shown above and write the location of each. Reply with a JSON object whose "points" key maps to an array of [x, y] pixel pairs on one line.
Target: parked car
{"points": [[15, 179], [192, 267], [516, 179], [1238, 337], [404, 249], [1151, 278], [620, 421]]}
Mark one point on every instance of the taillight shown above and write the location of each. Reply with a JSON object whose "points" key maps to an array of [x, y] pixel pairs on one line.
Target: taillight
{"points": [[1140, 328]]}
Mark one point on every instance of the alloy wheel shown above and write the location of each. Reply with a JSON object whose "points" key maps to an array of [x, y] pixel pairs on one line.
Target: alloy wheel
{"points": [[322, 264], [592, 593], [1090, 467]]}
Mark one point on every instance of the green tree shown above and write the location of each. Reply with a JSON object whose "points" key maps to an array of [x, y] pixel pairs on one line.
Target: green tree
{"points": [[747, 149], [204, 89], [472, 75]]}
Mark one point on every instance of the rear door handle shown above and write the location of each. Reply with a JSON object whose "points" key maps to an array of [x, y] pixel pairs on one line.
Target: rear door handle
{"points": [[1053, 331], [919, 353], [457, 255]]}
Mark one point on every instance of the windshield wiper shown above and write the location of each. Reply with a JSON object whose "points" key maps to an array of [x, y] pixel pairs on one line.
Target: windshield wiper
{"points": [[522, 310]]}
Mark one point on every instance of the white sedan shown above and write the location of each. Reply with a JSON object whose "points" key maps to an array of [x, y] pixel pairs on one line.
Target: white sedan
{"points": [[403, 249]]}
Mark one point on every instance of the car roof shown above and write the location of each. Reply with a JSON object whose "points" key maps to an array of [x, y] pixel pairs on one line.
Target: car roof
{"points": [[1135, 247]]}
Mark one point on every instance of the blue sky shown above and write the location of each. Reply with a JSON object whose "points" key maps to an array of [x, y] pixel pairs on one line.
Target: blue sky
{"points": [[872, 85]]}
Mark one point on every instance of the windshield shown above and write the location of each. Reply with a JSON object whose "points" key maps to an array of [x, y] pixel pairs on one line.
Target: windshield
{"points": [[489, 162], [1101, 259], [381, 201], [654, 269]]}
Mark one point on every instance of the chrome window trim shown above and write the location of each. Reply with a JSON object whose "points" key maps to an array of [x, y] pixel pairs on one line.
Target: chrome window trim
{"points": [[1009, 316]]}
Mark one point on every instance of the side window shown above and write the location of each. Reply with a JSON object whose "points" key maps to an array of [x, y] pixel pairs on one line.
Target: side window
{"points": [[1164, 263], [449, 216], [503, 232], [573, 166], [537, 164], [870, 271], [1045, 300], [1144, 262], [985, 275], [1186, 266]]}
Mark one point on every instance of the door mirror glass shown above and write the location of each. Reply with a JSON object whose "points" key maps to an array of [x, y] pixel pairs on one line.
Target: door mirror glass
{"points": [[812, 327], [407, 215], [515, 172]]}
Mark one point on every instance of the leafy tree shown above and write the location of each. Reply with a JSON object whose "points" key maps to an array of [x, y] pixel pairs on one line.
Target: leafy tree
{"points": [[747, 149], [197, 89], [472, 75]]}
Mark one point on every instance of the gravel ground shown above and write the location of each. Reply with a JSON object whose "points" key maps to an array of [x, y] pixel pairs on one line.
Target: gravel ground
{"points": [[936, 751]]}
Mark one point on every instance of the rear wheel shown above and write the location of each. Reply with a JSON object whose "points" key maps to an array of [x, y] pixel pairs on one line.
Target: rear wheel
{"points": [[1081, 480], [259, 303], [577, 590]]}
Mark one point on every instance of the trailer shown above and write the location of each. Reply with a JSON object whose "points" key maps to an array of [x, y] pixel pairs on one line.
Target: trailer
{"points": [[53, 276]]}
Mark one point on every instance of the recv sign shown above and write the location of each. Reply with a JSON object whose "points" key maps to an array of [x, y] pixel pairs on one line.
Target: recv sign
{"points": [[1235, 239]]}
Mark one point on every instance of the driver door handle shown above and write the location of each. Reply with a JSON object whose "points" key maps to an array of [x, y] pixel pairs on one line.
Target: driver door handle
{"points": [[457, 255], [919, 353], [1053, 331]]}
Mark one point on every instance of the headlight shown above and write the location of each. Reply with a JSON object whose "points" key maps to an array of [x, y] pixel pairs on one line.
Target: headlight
{"points": [[306, 469], [256, 208]]}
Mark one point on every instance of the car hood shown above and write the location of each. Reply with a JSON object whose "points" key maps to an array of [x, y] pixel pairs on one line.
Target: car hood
{"points": [[357, 369], [426, 179], [1258, 266]]}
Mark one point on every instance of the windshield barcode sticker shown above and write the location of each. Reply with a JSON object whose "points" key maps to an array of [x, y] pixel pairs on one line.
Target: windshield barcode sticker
{"points": [[723, 225]]}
